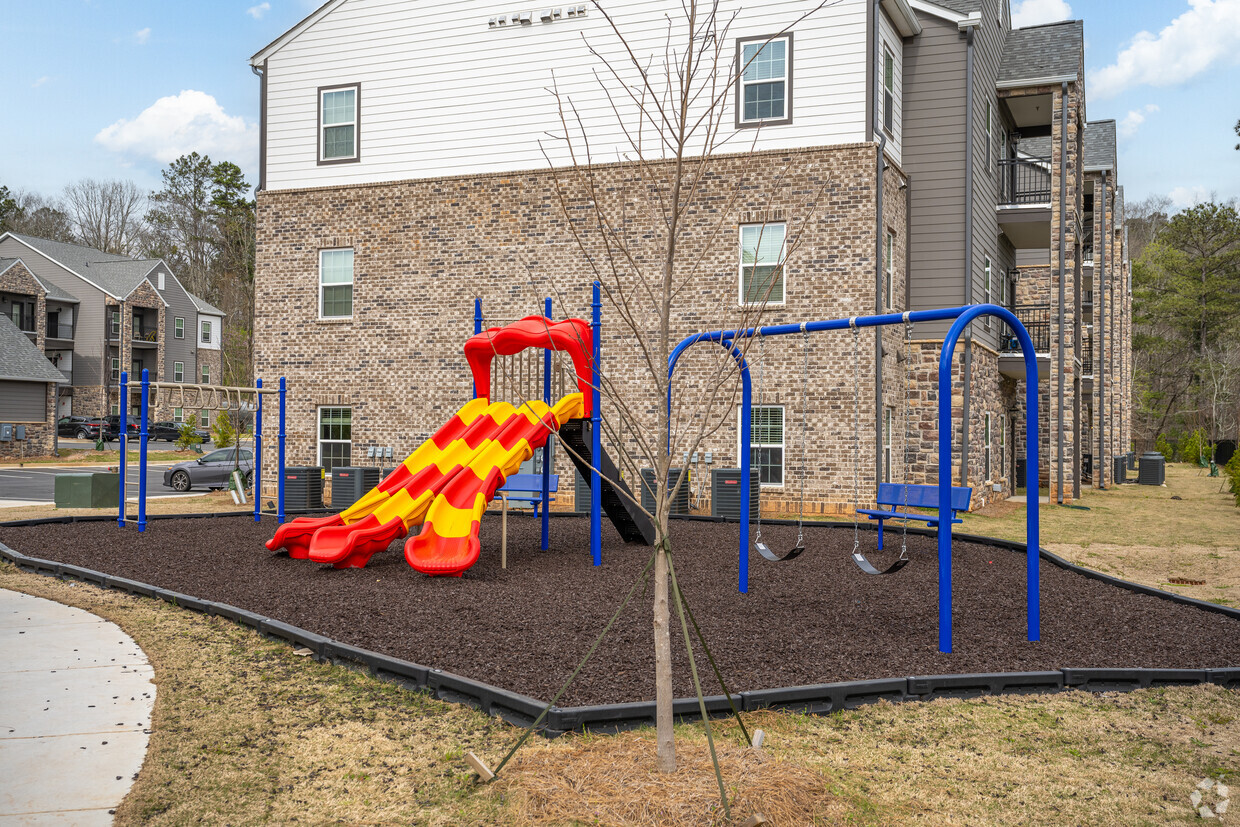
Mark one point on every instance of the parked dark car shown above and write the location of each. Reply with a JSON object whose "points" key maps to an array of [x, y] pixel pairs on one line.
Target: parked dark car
{"points": [[171, 431], [84, 428], [210, 470], [114, 426]]}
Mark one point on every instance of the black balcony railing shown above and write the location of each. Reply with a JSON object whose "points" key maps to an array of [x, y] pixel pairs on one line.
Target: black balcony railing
{"points": [[145, 334], [1024, 181], [1087, 355], [1037, 320], [60, 331]]}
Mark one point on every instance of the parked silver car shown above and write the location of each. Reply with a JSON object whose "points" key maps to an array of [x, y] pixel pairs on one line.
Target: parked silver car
{"points": [[210, 470]]}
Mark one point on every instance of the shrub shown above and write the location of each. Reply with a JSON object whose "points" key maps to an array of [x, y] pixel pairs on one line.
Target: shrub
{"points": [[1163, 446], [1232, 470], [1195, 447], [189, 437], [222, 433]]}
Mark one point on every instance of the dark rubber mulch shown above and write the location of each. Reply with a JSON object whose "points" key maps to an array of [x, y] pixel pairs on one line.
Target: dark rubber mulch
{"points": [[816, 619]]}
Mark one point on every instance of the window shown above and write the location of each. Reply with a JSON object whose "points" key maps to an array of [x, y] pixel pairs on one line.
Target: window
{"points": [[1003, 426], [764, 93], [115, 409], [161, 280], [989, 134], [116, 324], [205, 330], [986, 446], [986, 275], [206, 374], [766, 443], [178, 371], [116, 370], [888, 416], [335, 284], [889, 266], [178, 416], [178, 328], [335, 437], [204, 418], [762, 263], [338, 122], [889, 105]]}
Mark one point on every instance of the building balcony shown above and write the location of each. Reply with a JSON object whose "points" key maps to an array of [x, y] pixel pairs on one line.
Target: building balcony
{"points": [[57, 333], [146, 336], [1024, 208], [1037, 321]]}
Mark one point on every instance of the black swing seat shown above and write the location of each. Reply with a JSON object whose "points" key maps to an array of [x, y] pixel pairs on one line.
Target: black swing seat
{"points": [[914, 496], [767, 554], [869, 568]]}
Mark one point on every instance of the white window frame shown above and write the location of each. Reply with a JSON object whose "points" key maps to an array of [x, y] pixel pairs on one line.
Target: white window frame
{"points": [[889, 90], [178, 371], [114, 323], [781, 265], [356, 123], [318, 432], [205, 373], [741, 84], [178, 328], [115, 409], [116, 369], [204, 331], [352, 281], [160, 279], [889, 253], [782, 445], [989, 134], [987, 438], [178, 416], [988, 276], [889, 414], [204, 418]]}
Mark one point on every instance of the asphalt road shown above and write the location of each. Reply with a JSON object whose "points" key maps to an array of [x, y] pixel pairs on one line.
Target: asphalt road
{"points": [[37, 483]]}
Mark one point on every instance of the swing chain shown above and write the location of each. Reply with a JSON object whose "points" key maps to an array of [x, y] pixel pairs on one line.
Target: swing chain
{"points": [[804, 428], [856, 430]]}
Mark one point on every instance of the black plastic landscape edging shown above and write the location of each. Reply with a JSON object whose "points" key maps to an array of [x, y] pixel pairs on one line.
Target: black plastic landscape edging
{"points": [[816, 699]]}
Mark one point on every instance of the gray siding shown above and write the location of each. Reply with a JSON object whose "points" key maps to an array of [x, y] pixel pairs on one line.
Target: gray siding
{"points": [[89, 322], [987, 58], [179, 305], [934, 111], [23, 401]]}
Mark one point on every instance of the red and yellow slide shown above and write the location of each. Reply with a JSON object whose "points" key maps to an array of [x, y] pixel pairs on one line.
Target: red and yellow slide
{"points": [[448, 543]]}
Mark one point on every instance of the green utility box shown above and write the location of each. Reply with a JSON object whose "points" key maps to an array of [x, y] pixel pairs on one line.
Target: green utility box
{"points": [[87, 490]]}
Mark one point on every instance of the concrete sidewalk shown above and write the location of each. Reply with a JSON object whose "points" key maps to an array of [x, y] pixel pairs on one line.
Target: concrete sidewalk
{"points": [[75, 706]]}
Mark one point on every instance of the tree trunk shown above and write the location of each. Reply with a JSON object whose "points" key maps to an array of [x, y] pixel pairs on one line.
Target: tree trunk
{"points": [[663, 662]]}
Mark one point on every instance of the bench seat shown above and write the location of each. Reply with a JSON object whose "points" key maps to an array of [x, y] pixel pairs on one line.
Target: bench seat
{"points": [[918, 496], [527, 490]]}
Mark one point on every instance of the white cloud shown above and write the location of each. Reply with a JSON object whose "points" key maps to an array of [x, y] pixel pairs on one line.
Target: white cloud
{"points": [[40, 81], [258, 11], [142, 35], [192, 121], [1037, 12], [1128, 126], [1209, 32], [1184, 197]]}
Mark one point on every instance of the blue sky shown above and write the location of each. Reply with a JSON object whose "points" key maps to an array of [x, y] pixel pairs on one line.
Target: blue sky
{"points": [[117, 88]]}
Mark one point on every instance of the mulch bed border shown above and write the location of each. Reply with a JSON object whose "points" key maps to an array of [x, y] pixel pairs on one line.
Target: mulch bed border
{"points": [[522, 710]]}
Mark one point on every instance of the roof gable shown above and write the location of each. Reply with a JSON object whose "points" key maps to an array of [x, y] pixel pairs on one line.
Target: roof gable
{"points": [[305, 23], [20, 360], [1100, 145], [1043, 54]]}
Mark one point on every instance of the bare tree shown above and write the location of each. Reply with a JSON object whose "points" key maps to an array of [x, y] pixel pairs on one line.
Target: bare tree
{"points": [[651, 230], [106, 215], [42, 217]]}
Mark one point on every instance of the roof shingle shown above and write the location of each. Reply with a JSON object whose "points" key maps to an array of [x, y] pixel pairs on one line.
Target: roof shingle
{"points": [[20, 360], [1036, 52], [1100, 144]]}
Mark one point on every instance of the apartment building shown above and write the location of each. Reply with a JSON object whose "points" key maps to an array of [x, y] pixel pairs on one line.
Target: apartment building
{"points": [[402, 174], [94, 314]]}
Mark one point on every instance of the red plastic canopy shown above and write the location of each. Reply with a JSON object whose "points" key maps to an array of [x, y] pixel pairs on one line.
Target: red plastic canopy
{"points": [[572, 336]]}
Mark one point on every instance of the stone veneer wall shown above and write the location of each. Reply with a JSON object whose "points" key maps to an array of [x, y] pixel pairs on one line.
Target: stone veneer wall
{"points": [[143, 296], [424, 249], [17, 279]]}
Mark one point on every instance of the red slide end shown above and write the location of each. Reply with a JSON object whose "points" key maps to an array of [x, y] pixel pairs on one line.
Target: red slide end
{"points": [[443, 556], [352, 546], [295, 536]]}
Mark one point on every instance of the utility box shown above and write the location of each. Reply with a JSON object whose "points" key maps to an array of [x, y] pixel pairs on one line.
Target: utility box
{"points": [[87, 490], [350, 483], [725, 493], [303, 488], [1132, 460], [1153, 470], [680, 503]]}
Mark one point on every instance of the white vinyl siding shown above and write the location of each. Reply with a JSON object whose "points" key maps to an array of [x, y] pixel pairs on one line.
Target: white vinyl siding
{"points": [[891, 46], [766, 443], [761, 264], [335, 284], [444, 94]]}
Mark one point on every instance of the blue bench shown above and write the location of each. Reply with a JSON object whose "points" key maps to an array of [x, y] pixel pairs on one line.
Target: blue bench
{"points": [[914, 496], [527, 489]]}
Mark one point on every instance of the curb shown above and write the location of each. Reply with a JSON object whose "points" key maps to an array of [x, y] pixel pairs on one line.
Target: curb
{"points": [[814, 699]]}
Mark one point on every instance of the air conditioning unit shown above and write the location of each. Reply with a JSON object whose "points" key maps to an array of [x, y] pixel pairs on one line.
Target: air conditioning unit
{"points": [[725, 493]]}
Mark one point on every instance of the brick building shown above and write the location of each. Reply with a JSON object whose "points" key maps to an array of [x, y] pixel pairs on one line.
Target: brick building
{"points": [[928, 156], [93, 314]]}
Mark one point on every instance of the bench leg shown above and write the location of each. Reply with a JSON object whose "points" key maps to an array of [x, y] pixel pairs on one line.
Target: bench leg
{"points": [[880, 535]]}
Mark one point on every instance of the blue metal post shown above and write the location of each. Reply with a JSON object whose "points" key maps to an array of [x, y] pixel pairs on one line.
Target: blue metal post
{"points": [[477, 329], [546, 459], [596, 433], [120, 511], [258, 451], [146, 393], [280, 484]]}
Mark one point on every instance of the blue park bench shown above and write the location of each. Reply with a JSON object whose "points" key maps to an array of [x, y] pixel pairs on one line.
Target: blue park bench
{"points": [[914, 496], [527, 489]]}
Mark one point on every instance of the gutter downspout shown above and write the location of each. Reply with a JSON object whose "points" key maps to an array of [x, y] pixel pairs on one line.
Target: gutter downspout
{"points": [[969, 26], [262, 125], [1063, 224], [880, 166], [1101, 380]]}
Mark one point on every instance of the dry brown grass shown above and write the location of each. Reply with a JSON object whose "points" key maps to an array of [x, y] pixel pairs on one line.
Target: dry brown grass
{"points": [[214, 502], [89, 456]]}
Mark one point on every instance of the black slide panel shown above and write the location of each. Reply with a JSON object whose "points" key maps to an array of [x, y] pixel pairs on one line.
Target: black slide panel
{"points": [[633, 525]]}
